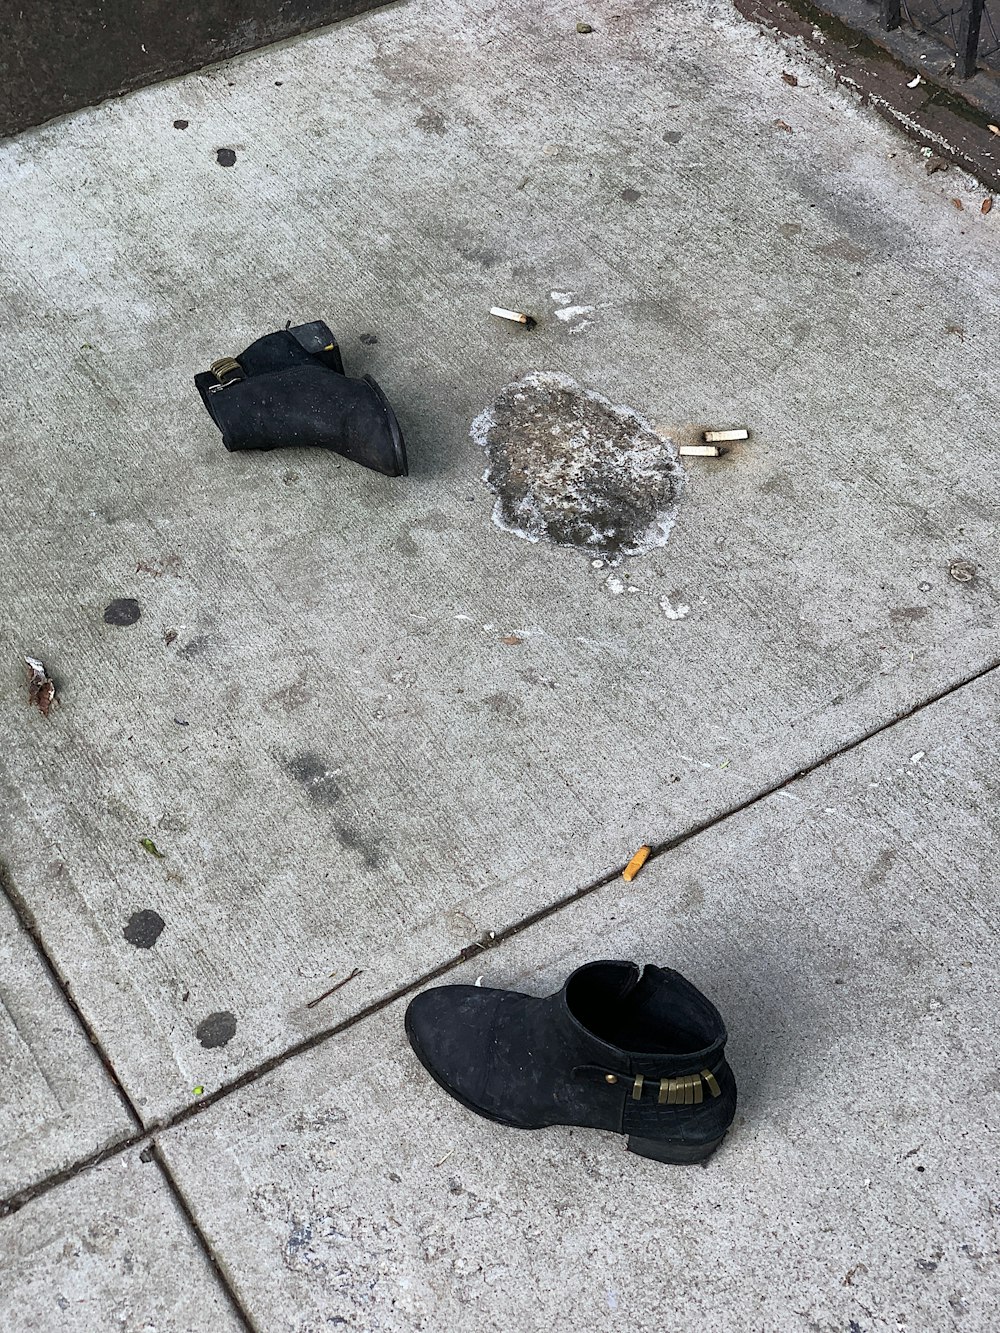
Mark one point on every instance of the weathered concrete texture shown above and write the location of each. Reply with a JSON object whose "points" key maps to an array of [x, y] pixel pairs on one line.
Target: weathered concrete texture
{"points": [[362, 725], [56, 57], [847, 928], [110, 1250], [57, 1104]]}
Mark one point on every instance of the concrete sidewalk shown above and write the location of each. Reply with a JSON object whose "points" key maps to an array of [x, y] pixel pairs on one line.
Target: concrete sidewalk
{"points": [[366, 728]]}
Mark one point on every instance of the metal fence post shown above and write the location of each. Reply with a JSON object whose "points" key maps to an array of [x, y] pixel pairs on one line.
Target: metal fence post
{"points": [[967, 45], [888, 14]]}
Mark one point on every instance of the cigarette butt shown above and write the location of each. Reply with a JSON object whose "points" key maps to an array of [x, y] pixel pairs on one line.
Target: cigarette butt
{"points": [[724, 436], [701, 450], [636, 864], [516, 316]]}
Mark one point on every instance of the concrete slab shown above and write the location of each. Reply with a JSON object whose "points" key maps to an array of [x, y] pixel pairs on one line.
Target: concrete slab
{"points": [[57, 1104], [385, 727], [109, 1250], [847, 927]]}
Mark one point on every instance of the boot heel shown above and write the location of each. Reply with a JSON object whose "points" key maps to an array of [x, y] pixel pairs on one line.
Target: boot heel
{"points": [[677, 1154]]}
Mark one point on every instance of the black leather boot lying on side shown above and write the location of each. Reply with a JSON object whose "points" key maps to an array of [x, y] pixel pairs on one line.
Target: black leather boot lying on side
{"points": [[289, 389], [643, 1055]]}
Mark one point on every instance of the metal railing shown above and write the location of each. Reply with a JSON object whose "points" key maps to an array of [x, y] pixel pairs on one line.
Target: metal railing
{"points": [[970, 28]]}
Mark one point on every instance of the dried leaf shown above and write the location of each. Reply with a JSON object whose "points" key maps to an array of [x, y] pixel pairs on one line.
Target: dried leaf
{"points": [[790, 79], [170, 637], [993, 129], [936, 164], [41, 690], [987, 205], [783, 125], [148, 845], [957, 203], [512, 638]]}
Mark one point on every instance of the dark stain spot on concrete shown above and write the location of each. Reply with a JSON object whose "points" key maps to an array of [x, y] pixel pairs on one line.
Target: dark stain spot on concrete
{"points": [[477, 255], [147, 1154], [779, 485], [316, 778], [570, 467], [432, 522], [216, 1029], [369, 339], [884, 862], [143, 928], [906, 615], [196, 647], [122, 611], [300, 1237], [431, 122], [790, 229], [672, 136], [927, 1265], [293, 695], [504, 705], [225, 157], [534, 677], [630, 195], [181, 124], [352, 841], [843, 249]]}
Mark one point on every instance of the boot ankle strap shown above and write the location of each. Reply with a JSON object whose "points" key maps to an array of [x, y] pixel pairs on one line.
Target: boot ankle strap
{"points": [[678, 1090]]}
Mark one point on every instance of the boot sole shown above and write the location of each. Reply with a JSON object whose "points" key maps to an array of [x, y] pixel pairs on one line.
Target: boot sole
{"points": [[675, 1154]]}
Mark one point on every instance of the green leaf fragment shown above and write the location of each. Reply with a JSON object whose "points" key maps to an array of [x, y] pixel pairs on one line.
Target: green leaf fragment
{"points": [[148, 845], [198, 1090]]}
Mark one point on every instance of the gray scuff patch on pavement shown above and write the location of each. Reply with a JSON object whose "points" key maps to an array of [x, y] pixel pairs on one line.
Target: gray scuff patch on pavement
{"points": [[143, 928], [570, 467], [216, 1029]]}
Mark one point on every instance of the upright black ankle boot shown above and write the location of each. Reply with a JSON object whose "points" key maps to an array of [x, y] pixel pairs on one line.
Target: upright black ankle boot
{"points": [[641, 1055], [289, 389]]}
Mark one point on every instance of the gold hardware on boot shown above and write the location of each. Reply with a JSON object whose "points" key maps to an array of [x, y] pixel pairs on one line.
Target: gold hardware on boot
{"points": [[687, 1089], [226, 370], [637, 1087]]}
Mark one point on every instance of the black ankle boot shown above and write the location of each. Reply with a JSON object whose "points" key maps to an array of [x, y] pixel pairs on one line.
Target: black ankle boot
{"points": [[289, 389], [640, 1055]]}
